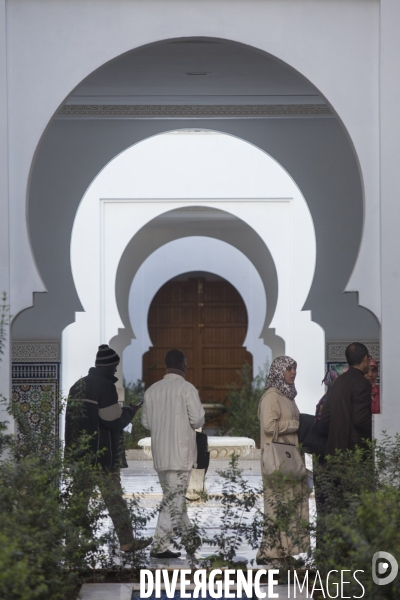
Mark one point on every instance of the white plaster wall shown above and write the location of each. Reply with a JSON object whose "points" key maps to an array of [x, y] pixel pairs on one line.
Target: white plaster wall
{"points": [[334, 44], [389, 286], [176, 170], [5, 362]]}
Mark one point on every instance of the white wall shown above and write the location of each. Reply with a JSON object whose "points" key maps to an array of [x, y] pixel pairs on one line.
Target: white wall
{"points": [[389, 286], [209, 170], [5, 363], [334, 44], [337, 45]]}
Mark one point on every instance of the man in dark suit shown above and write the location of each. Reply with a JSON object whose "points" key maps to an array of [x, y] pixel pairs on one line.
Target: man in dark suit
{"points": [[346, 415]]}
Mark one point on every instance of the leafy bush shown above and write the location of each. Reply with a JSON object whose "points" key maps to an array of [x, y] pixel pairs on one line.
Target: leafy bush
{"points": [[134, 393], [242, 404], [51, 538], [359, 516], [39, 515], [360, 513], [243, 519]]}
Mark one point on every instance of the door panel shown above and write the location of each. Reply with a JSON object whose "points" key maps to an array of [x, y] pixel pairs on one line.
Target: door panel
{"points": [[207, 320]]}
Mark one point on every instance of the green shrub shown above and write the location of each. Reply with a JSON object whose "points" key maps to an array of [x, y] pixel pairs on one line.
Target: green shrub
{"points": [[48, 530], [359, 517], [360, 514], [134, 393], [44, 553]]}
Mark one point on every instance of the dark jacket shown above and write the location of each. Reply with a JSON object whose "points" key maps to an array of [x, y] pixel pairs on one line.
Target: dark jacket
{"points": [[346, 414], [93, 407]]}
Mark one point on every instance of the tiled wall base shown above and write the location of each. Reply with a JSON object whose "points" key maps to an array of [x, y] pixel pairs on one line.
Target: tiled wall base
{"points": [[336, 359], [36, 381], [335, 350]]}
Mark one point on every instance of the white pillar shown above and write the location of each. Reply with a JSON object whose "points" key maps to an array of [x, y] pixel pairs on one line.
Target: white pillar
{"points": [[5, 358], [389, 420]]}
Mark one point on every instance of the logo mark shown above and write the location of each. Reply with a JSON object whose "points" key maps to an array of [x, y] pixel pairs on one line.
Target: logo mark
{"points": [[386, 560]]}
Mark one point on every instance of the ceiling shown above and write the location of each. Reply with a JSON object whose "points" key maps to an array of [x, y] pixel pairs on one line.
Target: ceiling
{"points": [[195, 71]]}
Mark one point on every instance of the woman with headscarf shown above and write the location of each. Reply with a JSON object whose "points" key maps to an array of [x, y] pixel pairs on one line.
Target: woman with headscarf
{"points": [[372, 377], [277, 408]]}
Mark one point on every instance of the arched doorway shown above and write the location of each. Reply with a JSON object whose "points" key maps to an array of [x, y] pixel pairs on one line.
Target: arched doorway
{"points": [[294, 134], [235, 227], [334, 198], [207, 319]]}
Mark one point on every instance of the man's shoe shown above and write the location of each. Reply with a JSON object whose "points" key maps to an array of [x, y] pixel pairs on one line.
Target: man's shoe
{"points": [[136, 545], [166, 554]]}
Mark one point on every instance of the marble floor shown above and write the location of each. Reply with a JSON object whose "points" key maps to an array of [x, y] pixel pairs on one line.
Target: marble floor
{"points": [[140, 478]]}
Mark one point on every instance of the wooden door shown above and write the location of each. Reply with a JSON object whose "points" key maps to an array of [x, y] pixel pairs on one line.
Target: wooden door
{"points": [[207, 320]]}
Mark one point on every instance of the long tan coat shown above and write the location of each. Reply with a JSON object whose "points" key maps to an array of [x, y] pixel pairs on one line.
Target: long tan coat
{"points": [[275, 408]]}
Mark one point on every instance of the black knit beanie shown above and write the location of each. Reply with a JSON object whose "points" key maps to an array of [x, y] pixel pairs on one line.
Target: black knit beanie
{"points": [[106, 356]]}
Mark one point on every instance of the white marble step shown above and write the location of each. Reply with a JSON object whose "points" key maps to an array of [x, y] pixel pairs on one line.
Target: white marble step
{"points": [[124, 591]]}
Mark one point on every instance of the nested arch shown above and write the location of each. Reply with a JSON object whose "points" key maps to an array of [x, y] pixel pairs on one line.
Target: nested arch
{"points": [[202, 257], [239, 235], [254, 217]]}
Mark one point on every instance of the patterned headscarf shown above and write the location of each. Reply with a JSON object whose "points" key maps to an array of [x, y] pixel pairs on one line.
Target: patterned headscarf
{"points": [[372, 362], [276, 377]]}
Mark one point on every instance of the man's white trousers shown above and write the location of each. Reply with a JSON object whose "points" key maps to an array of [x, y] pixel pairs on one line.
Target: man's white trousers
{"points": [[173, 517]]}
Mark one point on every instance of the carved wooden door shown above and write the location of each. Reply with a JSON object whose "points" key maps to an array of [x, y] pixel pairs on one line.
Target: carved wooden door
{"points": [[207, 320]]}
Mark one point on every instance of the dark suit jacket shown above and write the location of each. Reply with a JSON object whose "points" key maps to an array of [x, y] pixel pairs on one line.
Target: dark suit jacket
{"points": [[346, 415]]}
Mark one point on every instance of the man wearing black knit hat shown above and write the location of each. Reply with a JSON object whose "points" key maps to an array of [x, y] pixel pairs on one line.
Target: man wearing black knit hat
{"points": [[93, 408]]}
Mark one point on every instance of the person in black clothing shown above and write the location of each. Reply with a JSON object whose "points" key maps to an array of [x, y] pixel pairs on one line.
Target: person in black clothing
{"points": [[346, 415], [93, 408], [346, 421]]}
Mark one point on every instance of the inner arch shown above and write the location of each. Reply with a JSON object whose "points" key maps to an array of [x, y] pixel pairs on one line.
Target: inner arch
{"points": [[199, 221], [202, 255]]}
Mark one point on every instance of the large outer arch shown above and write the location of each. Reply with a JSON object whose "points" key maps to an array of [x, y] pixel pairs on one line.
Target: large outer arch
{"points": [[298, 58], [348, 42]]}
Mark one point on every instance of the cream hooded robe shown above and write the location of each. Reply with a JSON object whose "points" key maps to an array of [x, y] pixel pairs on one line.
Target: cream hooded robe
{"points": [[172, 410]]}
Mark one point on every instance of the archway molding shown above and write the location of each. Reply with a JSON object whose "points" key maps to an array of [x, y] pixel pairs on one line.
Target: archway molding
{"points": [[335, 218], [206, 222], [275, 47]]}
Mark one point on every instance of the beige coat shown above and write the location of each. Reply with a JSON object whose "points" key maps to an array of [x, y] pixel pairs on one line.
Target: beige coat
{"points": [[172, 410], [275, 408]]}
